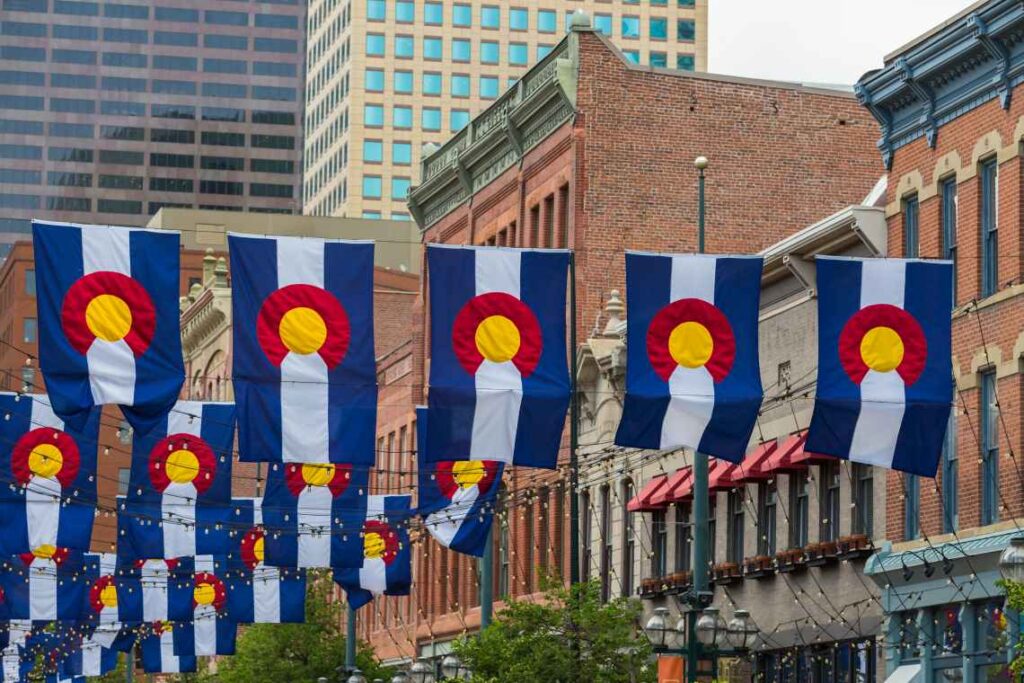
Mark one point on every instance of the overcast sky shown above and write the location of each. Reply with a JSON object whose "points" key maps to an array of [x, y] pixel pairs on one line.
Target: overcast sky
{"points": [[823, 41]]}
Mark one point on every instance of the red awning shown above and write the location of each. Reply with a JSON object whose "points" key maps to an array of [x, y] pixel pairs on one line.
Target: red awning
{"points": [[755, 466], [722, 478], [804, 457], [641, 502], [664, 496], [782, 459], [685, 490]]}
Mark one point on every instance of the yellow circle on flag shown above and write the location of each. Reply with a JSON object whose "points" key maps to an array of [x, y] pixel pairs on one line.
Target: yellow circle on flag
{"points": [[882, 349], [257, 549], [45, 551], [690, 344], [108, 596], [374, 546], [204, 594], [302, 330], [108, 317], [468, 472], [46, 460], [317, 475], [497, 339], [182, 466]]}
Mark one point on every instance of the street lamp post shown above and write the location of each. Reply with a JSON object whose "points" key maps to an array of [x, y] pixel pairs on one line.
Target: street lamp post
{"points": [[708, 635]]}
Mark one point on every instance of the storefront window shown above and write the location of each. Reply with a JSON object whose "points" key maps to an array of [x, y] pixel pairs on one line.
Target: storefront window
{"points": [[950, 630]]}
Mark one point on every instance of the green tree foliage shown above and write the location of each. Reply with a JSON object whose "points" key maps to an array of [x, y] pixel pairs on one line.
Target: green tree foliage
{"points": [[569, 636], [1015, 601], [299, 653]]}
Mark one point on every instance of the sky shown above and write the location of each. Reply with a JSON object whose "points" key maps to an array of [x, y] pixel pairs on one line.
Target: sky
{"points": [[820, 41]]}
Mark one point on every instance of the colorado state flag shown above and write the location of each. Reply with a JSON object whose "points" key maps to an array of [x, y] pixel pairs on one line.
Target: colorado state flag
{"points": [[51, 468], [180, 485], [110, 598], [158, 651], [198, 604], [147, 581], [692, 373], [304, 373], [257, 592], [457, 498], [108, 319], [46, 586], [314, 513], [387, 563], [885, 384], [499, 383]]}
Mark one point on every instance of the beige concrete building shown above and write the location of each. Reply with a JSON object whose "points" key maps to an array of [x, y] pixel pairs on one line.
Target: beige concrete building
{"points": [[384, 78]]}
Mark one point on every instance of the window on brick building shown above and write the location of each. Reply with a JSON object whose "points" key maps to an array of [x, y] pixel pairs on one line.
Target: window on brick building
{"points": [[605, 529], [456, 592], [799, 485], [989, 448], [734, 531], [767, 519], [586, 534], [684, 537], [29, 330], [911, 506], [628, 539], [911, 237], [549, 221], [504, 548], [949, 220], [989, 227], [563, 216], [863, 499], [528, 559], [659, 543], [828, 498], [950, 479], [544, 533]]}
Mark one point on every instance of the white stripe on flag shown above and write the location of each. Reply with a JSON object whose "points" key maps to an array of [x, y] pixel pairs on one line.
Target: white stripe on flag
{"points": [[154, 590], [499, 386], [205, 630], [691, 390], [266, 594], [168, 660], [445, 524], [91, 659], [305, 384], [373, 576], [313, 513], [178, 500], [42, 496], [882, 394], [12, 665], [111, 364], [186, 418], [42, 590]]}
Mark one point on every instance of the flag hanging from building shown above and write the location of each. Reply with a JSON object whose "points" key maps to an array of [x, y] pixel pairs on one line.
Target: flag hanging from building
{"points": [[108, 319], [108, 600], [87, 657], [143, 590], [157, 648], [198, 604], [692, 373], [304, 372], [257, 592], [180, 486], [884, 362], [499, 382], [387, 564], [313, 513], [457, 498], [51, 498], [46, 586]]}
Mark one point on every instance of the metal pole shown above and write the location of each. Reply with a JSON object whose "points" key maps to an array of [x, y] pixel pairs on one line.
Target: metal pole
{"points": [[350, 641], [129, 669], [487, 581], [574, 436], [700, 489]]}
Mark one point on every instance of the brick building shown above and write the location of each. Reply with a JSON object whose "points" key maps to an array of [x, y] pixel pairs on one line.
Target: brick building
{"points": [[593, 153], [952, 116]]}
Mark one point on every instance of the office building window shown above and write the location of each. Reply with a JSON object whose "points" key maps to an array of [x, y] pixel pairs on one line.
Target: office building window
{"points": [[767, 518], [210, 137], [221, 187], [401, 153], [734, 547], [80, 81], [462, 15], [631, 27], [632, 56], [405, 46], [30, 282], [172, 160], [72, 57], [518, 54], [658, 28], [121, 182], [219, 66], [799, 486], [170, 184], [989, 448], [373, 115], [543, 51], [18, 28], [400, 188], [272, 166], [375, 80], [460, 85], [828, 498], [950, 478], [431, 118], [490, 17], [75, 32], [628, 539], [271, 190], [405, 11], [518, 18], [272, 141], [375, 43], [490, 52], [431, 83], [371, 186], [459, 119], [911, 506], [684, 537], [658, 59], [227, 18], [126, 35], [172, 111], [949, 220], [376, 10], [863, 499], [222, 163], [18, 176], [373, 151], [29, 330], [177, 14], [603, 23], [488, 87], [462, 50], [72, 106], [402, 117], [53, 178], [433, 48], [177, 39], [125, 206], [989, 227], [547, 21], [20, 152], [274, 69], [271, 45], [125, 60], [659, 544], [433, 13], [686, 29], [685, 63]]}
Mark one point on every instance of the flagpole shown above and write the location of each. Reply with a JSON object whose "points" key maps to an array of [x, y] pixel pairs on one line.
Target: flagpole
{"points": [[350, 641], [129, 669], [487, 581], [574, 436]]}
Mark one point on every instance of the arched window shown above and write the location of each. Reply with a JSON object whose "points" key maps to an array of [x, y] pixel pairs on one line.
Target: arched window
{"points": [[605, 529], [628, 540]]}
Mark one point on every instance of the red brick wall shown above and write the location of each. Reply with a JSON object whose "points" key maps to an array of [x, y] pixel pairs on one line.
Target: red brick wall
{"points": [[985, 335]]}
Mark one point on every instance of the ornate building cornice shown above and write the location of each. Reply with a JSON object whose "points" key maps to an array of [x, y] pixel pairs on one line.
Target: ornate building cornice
{"points": [[973, 59]]}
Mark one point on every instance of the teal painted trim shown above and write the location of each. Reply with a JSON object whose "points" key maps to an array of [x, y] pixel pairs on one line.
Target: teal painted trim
{"points": [[886, 560], [937, 591]]}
